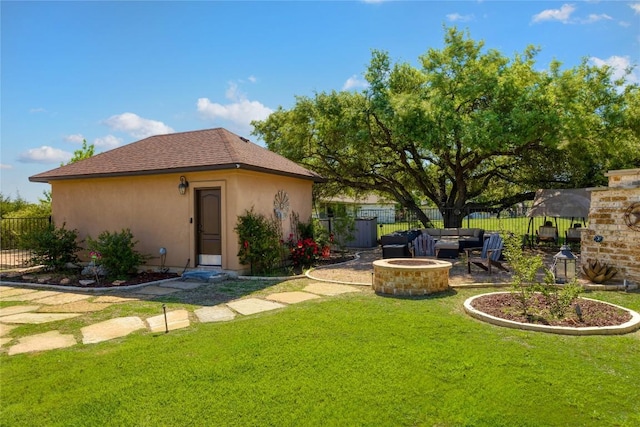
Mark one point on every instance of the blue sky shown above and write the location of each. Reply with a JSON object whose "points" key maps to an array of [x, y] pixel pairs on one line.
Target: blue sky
{"points": [[116, 72]]}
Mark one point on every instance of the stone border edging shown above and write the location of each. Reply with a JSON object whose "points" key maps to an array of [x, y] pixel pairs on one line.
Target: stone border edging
{"points": [[79, 289], [275, 278], [339, 282], [630, 326]]}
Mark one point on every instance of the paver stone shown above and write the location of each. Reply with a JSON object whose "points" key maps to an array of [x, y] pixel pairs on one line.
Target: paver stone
{"points": [[110, 329], [253, 305], [214, 314], [46, 341], [329, 288], [176, 319], [292, 297], [7, 311]]}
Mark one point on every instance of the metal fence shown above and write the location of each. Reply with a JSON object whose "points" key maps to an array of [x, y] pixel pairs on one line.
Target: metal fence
{"points": [[510, 220], [13, 252]]}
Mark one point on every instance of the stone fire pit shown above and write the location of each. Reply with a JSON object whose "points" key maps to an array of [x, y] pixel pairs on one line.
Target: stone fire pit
{"points": [[408, 276]]}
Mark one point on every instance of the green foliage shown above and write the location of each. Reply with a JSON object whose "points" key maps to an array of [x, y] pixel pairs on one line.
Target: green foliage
{"points": [[343, 231], [308, 242], [260, 242], [118, 254], [525, 268], [304, 253], [560, 299], [321, 234], [8, 205], [53, 247], [83, 153], [468, 128]]}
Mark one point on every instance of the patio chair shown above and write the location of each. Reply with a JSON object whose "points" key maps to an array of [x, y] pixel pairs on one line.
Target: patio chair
{"points": [[423, 245], [547, 233], [490, 254], [574, 234]]}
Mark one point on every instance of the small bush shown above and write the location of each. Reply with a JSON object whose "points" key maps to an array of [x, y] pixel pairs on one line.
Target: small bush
{"points": [[53, 247], [525, 268], [118, 255], [344, 228], [304, 253], [259, 240], [561, 299]]}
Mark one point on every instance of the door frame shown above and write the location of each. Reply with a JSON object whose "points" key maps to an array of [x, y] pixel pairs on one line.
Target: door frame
{"points": [[209, 260], [194, 186]]}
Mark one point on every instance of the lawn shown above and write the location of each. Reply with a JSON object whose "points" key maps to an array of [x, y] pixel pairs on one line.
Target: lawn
{"points": [[356, 359]]}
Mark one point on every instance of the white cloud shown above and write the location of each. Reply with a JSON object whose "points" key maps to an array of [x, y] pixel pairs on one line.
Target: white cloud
{"points": [[355, 82], [76, 138], [595, 18], [45, 155], [563, 14], [456, 17], [619, 65], [4, 166], [252, 79], [37, 110], [137, 126], [635, 7], [108, 142], [241, 111]]}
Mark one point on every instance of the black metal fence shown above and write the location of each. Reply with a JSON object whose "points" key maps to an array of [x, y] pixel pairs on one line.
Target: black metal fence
{"points": [[509, 220], [13, 252]]}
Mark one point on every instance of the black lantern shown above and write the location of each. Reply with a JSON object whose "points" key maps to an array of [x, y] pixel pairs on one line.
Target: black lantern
{"points": [[182, 187], [564, 265]]}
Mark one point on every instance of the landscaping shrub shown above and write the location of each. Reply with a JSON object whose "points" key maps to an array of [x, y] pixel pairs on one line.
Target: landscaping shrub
{"points": [[304, 253], [117, 252], [53, 247], [344, 228], [308, 243], [560, 299], [260, 242], [525, 268]]}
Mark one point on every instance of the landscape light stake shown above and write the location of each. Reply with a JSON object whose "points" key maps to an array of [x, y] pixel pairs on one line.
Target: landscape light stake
{"points": [[166, 325], [578, 311]]}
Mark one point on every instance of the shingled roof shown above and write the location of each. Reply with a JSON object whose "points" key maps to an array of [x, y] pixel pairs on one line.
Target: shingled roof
{"points": [[203, 150]]}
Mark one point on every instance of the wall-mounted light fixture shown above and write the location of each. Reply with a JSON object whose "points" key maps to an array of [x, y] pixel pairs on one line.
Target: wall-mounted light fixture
{"points": [[184, 184]]}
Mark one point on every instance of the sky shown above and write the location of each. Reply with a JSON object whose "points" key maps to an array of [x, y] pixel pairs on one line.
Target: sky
{"points": [[112, 73]]}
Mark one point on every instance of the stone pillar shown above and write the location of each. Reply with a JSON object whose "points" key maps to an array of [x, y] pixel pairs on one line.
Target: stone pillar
{"points": [[620, 246]]}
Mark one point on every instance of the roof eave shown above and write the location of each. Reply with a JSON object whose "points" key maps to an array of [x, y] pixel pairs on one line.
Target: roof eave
{"points": [[230, 166]]}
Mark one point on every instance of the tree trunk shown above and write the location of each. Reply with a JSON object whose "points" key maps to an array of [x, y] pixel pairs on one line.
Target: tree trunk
{"points": [[452, 217]]}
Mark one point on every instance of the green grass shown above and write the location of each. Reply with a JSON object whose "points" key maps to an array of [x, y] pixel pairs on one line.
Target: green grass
{"points": [[356, 359]]}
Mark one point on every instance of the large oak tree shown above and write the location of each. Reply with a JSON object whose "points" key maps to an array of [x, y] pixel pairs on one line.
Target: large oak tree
{"points": [[468, 129]]}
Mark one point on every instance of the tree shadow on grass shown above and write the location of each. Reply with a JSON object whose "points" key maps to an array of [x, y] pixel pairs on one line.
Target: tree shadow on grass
{"points": [[436, 295]]}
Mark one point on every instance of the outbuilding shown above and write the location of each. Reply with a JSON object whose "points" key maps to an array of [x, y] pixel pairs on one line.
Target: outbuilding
{"points": [[182, 192]]}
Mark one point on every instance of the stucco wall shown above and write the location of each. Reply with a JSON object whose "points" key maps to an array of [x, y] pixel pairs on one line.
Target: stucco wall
{"points": [[621, 245], [159, 216]]}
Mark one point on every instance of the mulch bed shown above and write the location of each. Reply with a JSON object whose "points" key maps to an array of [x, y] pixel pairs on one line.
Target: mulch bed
{"points": [[593, 313]]}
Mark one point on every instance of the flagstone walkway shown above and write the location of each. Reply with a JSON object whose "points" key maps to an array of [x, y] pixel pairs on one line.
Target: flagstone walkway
{"points": [[41, 307]]}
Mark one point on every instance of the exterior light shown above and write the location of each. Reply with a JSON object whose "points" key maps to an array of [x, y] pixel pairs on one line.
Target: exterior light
{"points": [[564, 265], [184, 184]]}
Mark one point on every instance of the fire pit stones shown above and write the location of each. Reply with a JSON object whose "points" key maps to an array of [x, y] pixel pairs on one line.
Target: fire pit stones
{"points": [[402, 276]]}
